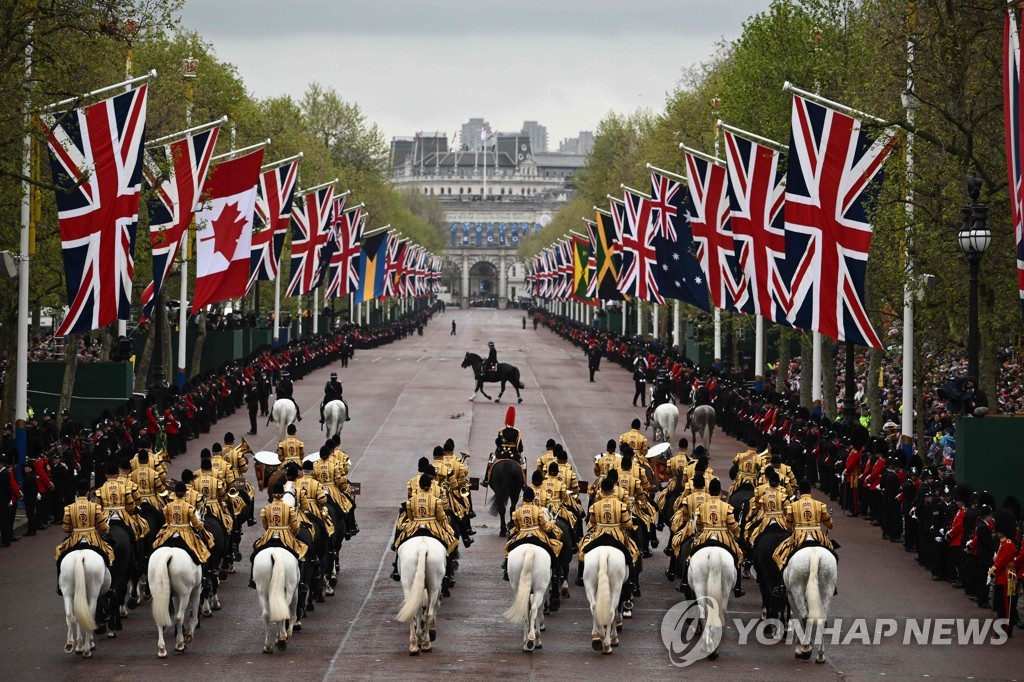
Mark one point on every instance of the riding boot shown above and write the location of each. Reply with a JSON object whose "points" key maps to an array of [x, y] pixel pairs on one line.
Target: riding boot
{"points": [[252, 562], [446, 581], [504, 570], [394, 569], [579, 574], [738, 590]]}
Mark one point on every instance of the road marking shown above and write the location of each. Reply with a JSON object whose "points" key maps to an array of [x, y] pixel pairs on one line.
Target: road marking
{"points": [[376, 359]]}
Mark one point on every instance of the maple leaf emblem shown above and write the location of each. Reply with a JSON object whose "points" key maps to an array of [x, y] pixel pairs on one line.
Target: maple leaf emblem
{"points": [[227, 229]]}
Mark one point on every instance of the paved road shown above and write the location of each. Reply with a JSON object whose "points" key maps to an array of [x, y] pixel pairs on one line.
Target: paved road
{"points": [[406, 398]]}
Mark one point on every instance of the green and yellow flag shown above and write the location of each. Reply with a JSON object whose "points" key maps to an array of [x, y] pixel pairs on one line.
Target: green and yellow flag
{"points": [[581, 257], [607, 260]]}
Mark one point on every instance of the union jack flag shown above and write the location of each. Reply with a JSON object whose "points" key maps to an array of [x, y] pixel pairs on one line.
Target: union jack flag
{"points": [[310, 232], [1012, 112], [756, 197], [343, 272], [331, 245], [96, 159], [394, 265], [174, 196], [421, 272], [834, 170], [638, 274], [664, 205], [274, 198], [710, 225]]}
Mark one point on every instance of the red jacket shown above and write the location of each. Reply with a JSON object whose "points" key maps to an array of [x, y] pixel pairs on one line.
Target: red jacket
{"points": [[152, 425], [956, 529], [42, 477], [1003, 561], [852, 475], [170, 423]]}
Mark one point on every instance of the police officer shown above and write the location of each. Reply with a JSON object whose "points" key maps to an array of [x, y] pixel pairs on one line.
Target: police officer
{"points": [[333, 391], [491, 364], [286, 390]]}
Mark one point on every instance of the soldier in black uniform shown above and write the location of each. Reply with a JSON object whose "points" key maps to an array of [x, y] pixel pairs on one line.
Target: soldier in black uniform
{"points": [[286, 390], [491, 364], [508, 444], [333, 391], [263, 390], [252, 401], [662, 394], [594, 359]]}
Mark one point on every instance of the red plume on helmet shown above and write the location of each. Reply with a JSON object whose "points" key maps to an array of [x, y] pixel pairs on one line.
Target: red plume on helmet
{"points": [[510, 416]]}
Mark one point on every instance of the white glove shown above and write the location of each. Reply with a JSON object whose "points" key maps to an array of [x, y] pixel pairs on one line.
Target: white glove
{"points": [[938, 538], [39, 496]]}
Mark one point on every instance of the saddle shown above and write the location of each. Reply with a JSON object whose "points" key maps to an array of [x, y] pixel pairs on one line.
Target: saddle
{"points": [[808, 543], [536, 542], [714, 543], [178, 543], [84, 545], [273, 542], [606, 540]]}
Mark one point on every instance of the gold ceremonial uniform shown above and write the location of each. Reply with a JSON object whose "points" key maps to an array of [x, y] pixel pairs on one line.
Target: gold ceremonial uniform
{"points": [[291, 449], [681, 522], [765, 507], [636, 493], [150, 486], [715, 521], [689, 488], [609, 516], [424, 511], [545, 459], [181, 519], [678, 463], [748, 468], [806, 516], [572, 486], [313, 501], [157, 462], [330, 477], [86, 523], [281, 522], [605, 462], [558, 500], [413, 487], [121, 497], [447, 480], [237, 461], [215, 490], [637, 441], [532, 521]]}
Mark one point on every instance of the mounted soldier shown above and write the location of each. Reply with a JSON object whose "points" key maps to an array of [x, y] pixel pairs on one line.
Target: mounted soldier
{"points": [[333, 391], [286, 390], [491, 363], [508, 444], [662, 394]]}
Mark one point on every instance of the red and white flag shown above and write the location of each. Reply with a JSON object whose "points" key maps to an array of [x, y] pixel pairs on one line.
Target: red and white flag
{"points": [[224, 230]]}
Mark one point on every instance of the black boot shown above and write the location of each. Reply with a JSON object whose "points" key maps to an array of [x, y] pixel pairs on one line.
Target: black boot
{"points": [[738, 590], [504, 570], [579, 574], [394, 570]]}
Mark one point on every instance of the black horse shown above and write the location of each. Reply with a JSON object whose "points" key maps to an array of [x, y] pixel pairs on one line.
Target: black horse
{"points": [[121, 573], [506, 483], [505, 374], [769, 576]]}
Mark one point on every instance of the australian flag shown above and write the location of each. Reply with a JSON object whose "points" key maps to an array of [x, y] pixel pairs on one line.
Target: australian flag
{"points": [[678, 271]]}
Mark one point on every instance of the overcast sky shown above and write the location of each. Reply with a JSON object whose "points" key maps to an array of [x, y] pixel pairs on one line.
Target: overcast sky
{"points": [[426, 65]]}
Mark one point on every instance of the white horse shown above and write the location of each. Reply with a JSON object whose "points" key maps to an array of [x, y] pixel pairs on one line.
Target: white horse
{"points": [[712, 575], [83, 578], [283, 413], [665, 418], [335, 414], [810, 578], [175, 582], [702, 422], [604, 572], [421, 564], [276, 573], [529, 572]]}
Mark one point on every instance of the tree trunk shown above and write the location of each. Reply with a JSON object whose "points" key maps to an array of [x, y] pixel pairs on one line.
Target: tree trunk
{"points": [[164, 321], [871, 390], [806, 368], [70, 367], [143, 359], [828, 377], [10, 345], [782, 368], [106, 341], [197, 349], [737, 321]]}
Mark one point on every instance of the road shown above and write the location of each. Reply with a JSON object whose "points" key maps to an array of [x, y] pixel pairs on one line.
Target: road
{"points": [[405, 398]]}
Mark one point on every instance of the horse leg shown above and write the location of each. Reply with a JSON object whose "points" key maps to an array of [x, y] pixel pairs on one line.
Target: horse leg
{"points": [[501, 392], [414, 638], [69, 618]]}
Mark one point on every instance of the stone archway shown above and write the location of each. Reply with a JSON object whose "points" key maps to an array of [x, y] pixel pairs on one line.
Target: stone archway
{"points": [[483, 285]]}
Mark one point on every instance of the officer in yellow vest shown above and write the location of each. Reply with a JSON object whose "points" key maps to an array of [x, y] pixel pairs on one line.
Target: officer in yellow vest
{"points": [[291, 448], [183, 529], [157, 462], [560, 504], [746, 469], [86, 525], [424, 515], [548, 456], [607, 460], [238, 464], [460, 473], [636, 493], [532, 524], [682, 525], [343, 464], [313, 497], [215, 493], [805, 516], [715, 524], [447, 480]]}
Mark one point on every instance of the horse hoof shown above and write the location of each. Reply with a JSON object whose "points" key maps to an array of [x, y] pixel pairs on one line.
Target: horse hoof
{"points": [[497, 400], [539, 645], [803, 655], [161, 653], [188, 638], [268, 649], [87, 653], [713, 655], [627, 614], [297, 627], [618, 627], [502, 533], [529, 646], [425, 648], [615, 642], [520, 400], [69, 648], [565, 593], [133, 603], [179, 647], [282, 644], [595, 644], [333, 581], [433, 635], [819, 659], [606, 651], [414, 651], [111, 634]]}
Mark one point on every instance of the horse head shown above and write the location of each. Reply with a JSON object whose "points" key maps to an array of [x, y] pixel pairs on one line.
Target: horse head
{"points": [[471, 360]]}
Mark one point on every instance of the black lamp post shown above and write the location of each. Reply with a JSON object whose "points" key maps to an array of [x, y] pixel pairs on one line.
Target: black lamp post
{"points": [[974, 237]]}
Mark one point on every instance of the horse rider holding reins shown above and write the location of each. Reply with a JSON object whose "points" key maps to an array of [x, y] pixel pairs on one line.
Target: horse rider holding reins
{"points": [[286, 390], [662, 394], [333, 391]]}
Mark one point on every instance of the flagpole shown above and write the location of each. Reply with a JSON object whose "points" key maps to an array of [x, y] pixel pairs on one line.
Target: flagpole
{"points": [[316, 311], [662, 171], [322, 185], [25, 243], [676, 325], [277, 164], [102, 91], [763, 141], [244, 150], [910, 105], [277, 307], [718, 311], [182, 134], [758, 352], [189, 75], [857, 113]]}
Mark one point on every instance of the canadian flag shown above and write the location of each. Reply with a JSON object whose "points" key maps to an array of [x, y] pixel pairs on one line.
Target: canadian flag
{"points": [[224, 230]]}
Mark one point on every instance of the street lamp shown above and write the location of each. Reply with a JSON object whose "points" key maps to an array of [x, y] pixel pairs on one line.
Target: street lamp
{"points": [[974, 237]]}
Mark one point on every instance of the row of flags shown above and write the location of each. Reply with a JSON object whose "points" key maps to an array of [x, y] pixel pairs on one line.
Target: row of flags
{"points": [[242, 212], [741, 234]]}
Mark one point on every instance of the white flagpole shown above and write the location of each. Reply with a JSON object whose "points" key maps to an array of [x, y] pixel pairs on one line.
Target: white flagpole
{"points": [[718, 312], [316, 311], [656, 324], [910, 104], [21, 371], [623, 317], [676, 325], [183, 250], [758, 353], [639, 318], [277, 308], [351, 308], [816, 371]]}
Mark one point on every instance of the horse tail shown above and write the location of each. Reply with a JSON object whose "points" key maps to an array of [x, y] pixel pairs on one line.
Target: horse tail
{"points": [[280, 610], [520, 609], [500, 487], [706, 436], [160, 587], [416, 597], [814, 611], [603, 609], [715, 591], [515, 379], [83, 612]]}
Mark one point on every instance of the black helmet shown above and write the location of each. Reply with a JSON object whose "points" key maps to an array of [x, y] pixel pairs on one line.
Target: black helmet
{"points": [[490, 344], [334, 375]]}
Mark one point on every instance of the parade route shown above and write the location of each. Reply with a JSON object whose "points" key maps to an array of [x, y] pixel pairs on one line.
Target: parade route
{"points": [[405, 398]]}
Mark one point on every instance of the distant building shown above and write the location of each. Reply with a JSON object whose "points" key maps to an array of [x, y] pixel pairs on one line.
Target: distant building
{"points": [[578, 145], [493, 197]]}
